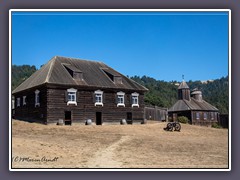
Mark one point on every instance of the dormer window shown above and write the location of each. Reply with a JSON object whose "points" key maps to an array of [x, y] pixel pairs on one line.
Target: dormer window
{"points": [[74, 72], [135, 99], [113, 75], [98, 98], [120, 99], [78, 75], [117, 79], [37, 101], [72, 96]]}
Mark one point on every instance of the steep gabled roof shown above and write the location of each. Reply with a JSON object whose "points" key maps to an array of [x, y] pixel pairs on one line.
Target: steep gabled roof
{"points": [[93, 72], [193, 104]]}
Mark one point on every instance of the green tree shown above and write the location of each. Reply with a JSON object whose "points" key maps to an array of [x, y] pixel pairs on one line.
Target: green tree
{"points": [[21, 73], [164, 94]]}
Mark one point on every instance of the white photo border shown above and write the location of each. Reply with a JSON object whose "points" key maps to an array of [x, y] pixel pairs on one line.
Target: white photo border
{"points": [[116, 10]]}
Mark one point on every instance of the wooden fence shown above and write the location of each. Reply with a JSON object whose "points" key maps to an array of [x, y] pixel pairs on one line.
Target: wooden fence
{"points": [[155, 113]]}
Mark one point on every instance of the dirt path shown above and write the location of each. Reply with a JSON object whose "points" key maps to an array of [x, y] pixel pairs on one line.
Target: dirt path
{"points": [[106, 158]]}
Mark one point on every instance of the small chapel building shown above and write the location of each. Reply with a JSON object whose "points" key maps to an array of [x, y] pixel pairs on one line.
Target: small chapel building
{"points": [[192, 106]]}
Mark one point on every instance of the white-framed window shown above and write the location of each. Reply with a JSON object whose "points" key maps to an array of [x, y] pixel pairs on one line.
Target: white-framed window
{"points": [[13, 102], [72, 96], [205, 116], [216, 115], [134, 98], [120, 99], [212, 116], [98, 98], [37, 101], [18, 102], [197, 115], [24, 100]]}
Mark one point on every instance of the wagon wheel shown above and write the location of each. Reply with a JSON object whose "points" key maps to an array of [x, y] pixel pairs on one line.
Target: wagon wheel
{"points": [[169, 127], [177, 127]]}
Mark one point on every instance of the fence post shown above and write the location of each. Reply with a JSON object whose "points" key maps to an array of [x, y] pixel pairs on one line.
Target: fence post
{"points": [[166, 117], [155, 114]]}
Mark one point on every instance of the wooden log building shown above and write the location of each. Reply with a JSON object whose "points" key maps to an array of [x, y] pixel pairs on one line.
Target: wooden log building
{"points": [[192, 106], [76, 90]]}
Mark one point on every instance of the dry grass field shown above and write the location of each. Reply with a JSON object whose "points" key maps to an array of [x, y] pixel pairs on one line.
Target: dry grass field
{"points": [[117, 146]]}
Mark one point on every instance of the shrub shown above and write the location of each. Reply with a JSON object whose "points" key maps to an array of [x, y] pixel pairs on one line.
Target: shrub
{"points": [[170, 119], [216, 125], [183, 119]]}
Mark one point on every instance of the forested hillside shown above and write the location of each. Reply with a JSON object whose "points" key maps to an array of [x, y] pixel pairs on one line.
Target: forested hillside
{"points": [[21, 73], [161, 93], [216, 92], [164, 94]]}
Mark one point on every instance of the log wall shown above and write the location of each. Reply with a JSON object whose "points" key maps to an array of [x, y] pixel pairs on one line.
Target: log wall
{"points": [[29, 112], [191, 115], [86, 109]]}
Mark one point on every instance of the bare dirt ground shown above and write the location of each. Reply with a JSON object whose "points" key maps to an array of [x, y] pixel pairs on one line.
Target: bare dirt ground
{"points": [[117, 146]]}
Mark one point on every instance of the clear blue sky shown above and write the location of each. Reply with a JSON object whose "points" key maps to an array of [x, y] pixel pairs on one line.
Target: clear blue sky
{"points": [[160, 45]]}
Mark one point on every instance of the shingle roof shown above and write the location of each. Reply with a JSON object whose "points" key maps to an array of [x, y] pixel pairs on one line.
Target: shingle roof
{"points": [[72, 67], [183, 85], [54, 72], [193, 104]]}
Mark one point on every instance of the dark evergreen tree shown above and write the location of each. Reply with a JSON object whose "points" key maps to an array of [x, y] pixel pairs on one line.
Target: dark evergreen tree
{"points": [[21, 73]]}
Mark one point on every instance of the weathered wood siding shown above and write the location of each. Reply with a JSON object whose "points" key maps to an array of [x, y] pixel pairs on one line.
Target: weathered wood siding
{"points": [[29, 112], [155, 113], [192, 116], [173, 116], [208, 121], [85, 108]]}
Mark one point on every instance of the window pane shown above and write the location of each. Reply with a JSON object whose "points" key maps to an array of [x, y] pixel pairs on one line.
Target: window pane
{"points": [[120, 99], [205, 115], [37, 98], [197, 115], [212, 116], [134, 100], [71, 96], [98, 98]]}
